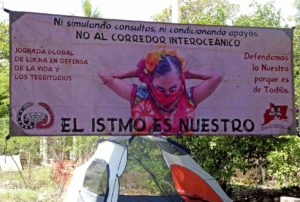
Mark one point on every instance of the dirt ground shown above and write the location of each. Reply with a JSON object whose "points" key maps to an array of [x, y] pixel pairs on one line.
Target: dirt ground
{"points": [[261, 195]]}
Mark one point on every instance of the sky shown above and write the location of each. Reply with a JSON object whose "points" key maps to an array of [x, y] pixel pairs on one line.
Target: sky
{"points": [[140, 10]]}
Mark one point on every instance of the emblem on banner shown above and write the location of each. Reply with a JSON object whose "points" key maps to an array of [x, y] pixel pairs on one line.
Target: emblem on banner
{"points": [[274, 113], [29, 119]]}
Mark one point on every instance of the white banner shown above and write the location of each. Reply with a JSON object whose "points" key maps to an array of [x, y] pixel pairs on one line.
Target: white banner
{"points": [[81, 76]]}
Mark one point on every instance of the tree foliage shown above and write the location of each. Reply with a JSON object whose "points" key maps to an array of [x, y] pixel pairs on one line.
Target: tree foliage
{"points": [[88, 10], [284, 162], [4, 41], [4, 73], [4, 89], [264, 15], [215, 12], [297, 16], [4, 82], [4, 56]]}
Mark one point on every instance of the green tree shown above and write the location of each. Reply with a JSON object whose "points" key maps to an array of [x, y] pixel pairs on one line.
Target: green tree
{"points": [[4, 73], [4, 89], [4, 82], [264, 15], [213, 12], [297, 55], [4, 41], [88, 10], [297, 16], [284, 162]]}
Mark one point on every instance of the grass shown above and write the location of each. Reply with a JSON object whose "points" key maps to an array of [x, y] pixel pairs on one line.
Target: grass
{"points": [[35, 185]]}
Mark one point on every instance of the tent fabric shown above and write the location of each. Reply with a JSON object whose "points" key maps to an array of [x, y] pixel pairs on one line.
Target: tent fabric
{"points": [[96, 178], [115, 156], [85, 196], [196, 190], [141, 168], [188, 162], [146, 171], [10, 163]]}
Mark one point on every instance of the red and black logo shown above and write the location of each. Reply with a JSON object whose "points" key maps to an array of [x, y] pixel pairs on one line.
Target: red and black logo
{"points": [[275, 112], [29, 119]]}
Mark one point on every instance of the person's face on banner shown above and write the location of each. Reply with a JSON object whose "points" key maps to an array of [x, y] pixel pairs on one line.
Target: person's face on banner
{"points": [[166, 88]]}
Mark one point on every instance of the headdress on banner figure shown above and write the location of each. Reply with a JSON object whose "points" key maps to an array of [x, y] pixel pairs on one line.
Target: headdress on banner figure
{"points": [[148, 64]]}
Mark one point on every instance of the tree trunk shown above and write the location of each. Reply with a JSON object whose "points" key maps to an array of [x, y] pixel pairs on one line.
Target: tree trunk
{"points": [[44, 151]]}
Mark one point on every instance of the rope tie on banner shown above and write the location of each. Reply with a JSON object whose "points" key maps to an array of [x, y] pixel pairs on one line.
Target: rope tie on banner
{"points": [[5, 154], [3, 8], [5, 147], [20, 172]]}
